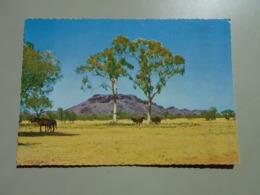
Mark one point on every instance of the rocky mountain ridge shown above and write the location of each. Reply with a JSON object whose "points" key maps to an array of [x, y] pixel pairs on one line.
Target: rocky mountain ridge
{"points": [[103, 104]]}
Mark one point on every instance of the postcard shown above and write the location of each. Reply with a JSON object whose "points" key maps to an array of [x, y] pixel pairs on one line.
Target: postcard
{"points": [[124, 92]]}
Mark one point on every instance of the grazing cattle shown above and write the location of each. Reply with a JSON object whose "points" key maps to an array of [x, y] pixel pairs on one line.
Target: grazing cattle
{"points": [[50, 124], [134, 120], [138, 120], [44, 122], [53, 124], [156, 120]]}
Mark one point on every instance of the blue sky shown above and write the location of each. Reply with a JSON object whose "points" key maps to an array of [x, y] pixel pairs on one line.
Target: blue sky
{"points": [[205, 45]]}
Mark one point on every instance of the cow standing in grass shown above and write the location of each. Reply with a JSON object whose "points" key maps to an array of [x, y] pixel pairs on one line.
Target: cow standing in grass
{"points": [[43, 122], [50, 124], [134, 120], [53, 124], [138, 120], [156, 120]]}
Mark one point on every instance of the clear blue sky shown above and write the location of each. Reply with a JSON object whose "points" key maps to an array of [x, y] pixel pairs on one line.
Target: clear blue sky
{"points": [[205, 45]]}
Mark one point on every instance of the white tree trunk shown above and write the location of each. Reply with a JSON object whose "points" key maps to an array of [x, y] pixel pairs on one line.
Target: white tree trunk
{"points": [[148, 118], [149, 111], [114, 113], [114, 87]]}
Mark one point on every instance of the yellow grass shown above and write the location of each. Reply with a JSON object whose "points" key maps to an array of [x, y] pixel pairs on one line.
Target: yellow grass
{"points": [[179, 141]]}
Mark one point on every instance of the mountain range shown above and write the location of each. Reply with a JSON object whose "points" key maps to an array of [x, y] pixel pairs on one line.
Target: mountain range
{"points": [[103, 104]]}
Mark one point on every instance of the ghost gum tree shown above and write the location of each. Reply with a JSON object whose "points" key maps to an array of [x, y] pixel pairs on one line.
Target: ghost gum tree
{"points": [[157, 65], [110, 64], [40, 72]]}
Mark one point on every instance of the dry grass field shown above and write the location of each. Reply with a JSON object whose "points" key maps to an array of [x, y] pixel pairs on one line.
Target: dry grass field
{"points": [[179, 141]]}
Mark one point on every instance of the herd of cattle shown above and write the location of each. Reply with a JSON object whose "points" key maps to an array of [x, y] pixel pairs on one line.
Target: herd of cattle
{"points": [[51, 124], [156, 120]]}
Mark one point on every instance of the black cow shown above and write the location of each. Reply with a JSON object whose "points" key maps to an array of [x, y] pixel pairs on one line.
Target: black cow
{"points": [[156, 120], [53, 124], [138, 120]]}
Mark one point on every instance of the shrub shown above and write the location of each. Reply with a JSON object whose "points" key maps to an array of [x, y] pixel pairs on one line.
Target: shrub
{"points": [[210, 114], [227, 114]]}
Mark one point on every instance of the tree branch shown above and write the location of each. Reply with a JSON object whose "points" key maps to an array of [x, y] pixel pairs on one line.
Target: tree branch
{"points": [[102, 85], [157, 92]]}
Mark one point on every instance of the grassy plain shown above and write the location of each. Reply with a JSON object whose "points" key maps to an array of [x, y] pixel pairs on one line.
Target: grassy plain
{"points": [[179, 141]]}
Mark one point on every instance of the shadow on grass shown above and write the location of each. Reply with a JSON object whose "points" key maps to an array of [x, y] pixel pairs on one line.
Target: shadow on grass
{"points": [[27, 144], [40, 134]]}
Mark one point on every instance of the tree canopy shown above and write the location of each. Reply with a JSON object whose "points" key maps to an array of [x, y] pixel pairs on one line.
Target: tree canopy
{"points": [[109, 64], [210, 114], [228, 114], [40, 72], [157, 65]]}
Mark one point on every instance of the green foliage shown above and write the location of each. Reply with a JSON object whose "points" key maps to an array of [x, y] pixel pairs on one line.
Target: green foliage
{"points": [[60, 114], [50, 115], [155, 60], [157, 65], [120, 115], [191, 116], [92, 117], [22, 117], [38, 103], [166, 114], [210, 114], [123, 115], [227, 114], [70, 116], [25, 115], [173, 116], [40, 72], [109, 64]]}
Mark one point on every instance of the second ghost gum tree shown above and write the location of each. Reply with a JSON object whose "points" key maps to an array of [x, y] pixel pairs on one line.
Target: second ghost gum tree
{"points": [[109, 64], [156, 63]]}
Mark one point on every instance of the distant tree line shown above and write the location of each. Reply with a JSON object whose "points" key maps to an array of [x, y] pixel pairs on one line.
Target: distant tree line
{"points": [[68, 116], [61, 115]]}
